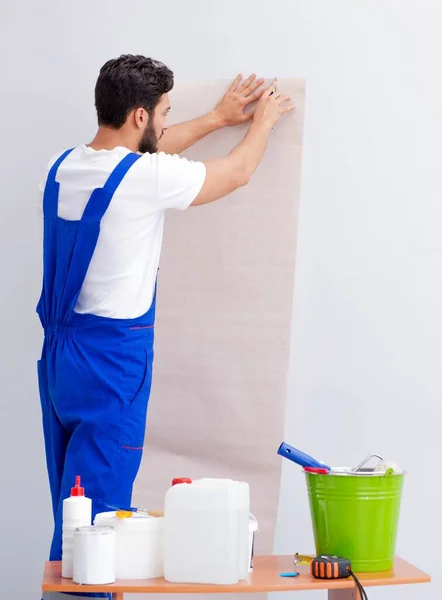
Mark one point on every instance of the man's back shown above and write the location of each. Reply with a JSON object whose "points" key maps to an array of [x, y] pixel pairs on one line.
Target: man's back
{"points": [[121, 279]]}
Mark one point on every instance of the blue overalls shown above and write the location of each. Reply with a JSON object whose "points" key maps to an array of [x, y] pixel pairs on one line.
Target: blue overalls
{"points": [[95, 373]]}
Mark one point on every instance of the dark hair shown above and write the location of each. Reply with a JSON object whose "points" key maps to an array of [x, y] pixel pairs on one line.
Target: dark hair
{"points": [[129, 82]]}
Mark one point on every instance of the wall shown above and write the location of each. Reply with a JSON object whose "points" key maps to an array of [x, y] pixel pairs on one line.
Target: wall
{"points": [[367, 328]]}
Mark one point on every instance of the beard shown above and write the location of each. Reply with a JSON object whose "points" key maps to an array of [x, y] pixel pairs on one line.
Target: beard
{"points": [[149, 140]]}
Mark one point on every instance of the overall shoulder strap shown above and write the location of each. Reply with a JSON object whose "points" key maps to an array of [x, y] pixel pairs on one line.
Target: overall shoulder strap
{"points": [[50, 196], [101, 197]]}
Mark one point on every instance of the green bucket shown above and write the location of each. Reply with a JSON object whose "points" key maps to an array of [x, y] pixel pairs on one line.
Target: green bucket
{"points": [[356, 516]]}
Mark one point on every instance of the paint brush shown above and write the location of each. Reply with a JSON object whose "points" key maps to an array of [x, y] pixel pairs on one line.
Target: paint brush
{"points": [[141, 511]]}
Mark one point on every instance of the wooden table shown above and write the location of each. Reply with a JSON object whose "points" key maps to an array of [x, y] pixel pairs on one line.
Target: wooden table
{"points": [[264, 578]]}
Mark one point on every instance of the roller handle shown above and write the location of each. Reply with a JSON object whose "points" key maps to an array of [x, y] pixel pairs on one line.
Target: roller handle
{"points": [[300, 458]]}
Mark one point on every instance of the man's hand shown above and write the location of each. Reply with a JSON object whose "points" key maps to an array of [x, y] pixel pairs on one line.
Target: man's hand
{"points": [[230, 110], [269, 108]]}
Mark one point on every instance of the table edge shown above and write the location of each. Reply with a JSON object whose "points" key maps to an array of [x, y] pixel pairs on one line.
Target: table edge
{"points": [[320, 586]]}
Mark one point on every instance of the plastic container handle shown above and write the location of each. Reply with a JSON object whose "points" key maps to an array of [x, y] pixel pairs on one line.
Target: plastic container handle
{"points": [[255, 520], [300, 458]]}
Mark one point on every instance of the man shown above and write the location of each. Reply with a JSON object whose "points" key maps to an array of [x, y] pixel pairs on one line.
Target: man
{"points": [[103, 207]]}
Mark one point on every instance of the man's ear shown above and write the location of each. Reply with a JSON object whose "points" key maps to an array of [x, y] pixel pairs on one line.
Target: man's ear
{"points": [[140, 117]]}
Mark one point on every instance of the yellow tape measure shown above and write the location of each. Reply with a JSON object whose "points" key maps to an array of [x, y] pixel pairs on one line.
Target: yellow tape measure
{"points": [[303, 559]]}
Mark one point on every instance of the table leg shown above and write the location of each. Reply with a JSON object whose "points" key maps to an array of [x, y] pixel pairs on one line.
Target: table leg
{"points": [[351, 594]]}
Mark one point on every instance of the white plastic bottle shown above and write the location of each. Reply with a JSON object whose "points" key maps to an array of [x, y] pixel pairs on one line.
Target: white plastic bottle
{"points": [[77, 512], [206, 531]]}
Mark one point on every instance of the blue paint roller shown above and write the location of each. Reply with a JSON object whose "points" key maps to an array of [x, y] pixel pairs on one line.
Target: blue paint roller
{"points": [[300, 458]]}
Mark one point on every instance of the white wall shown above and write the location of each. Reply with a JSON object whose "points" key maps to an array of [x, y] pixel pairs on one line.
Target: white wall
{"points": [[368, 319]]}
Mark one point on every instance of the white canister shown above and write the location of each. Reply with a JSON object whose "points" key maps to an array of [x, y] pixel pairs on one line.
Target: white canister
{"points": [[94, 555], [206, 531], [139, 543], [253, 528]]}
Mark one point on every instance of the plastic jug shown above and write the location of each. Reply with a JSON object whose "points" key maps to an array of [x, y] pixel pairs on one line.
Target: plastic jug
{"points": [[206, 531]]}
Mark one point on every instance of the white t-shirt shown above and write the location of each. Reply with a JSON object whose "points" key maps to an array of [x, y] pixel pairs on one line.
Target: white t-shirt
{"points": [[121, 278]]}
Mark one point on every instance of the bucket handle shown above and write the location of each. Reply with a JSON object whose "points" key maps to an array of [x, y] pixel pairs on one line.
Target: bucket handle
{"points": [[365, 461]]}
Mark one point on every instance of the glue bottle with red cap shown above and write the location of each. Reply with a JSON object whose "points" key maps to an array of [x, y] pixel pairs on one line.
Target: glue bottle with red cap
{"points": [[77, 512]]}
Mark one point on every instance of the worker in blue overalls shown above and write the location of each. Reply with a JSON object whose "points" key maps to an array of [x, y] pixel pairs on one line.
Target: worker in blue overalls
{"points": [[103, 206]]}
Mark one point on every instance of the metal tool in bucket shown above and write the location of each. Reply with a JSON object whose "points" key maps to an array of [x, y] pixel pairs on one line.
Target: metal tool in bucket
{"points": [[354, 510]]}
